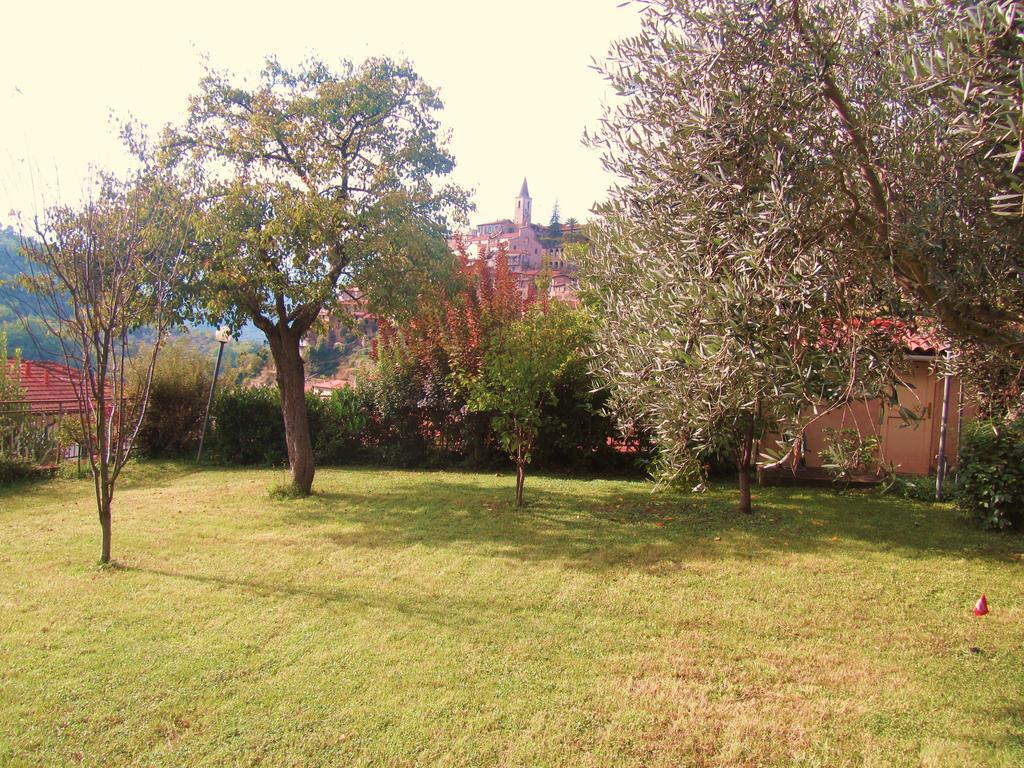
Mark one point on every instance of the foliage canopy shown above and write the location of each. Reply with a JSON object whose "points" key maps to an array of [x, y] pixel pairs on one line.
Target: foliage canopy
{"points": [[313, 179]]}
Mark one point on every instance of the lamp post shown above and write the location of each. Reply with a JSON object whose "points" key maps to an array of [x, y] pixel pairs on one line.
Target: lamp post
{"points": [[223, 336]]}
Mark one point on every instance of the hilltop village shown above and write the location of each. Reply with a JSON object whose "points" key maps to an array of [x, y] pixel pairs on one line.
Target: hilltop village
{"points": [[534, 250], [539, 258]]}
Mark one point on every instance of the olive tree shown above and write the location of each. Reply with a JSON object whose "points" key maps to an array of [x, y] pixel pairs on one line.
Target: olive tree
{"points": [[726, 304], [925, 196], [310, 180], [969, 62], [910, 118]]}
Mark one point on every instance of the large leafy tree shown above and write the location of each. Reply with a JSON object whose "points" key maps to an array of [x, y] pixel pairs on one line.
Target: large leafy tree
{"points": [[311, 180]]}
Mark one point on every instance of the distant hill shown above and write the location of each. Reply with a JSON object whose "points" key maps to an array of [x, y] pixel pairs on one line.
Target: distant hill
{"points": [[21, 318], [20, 311]]}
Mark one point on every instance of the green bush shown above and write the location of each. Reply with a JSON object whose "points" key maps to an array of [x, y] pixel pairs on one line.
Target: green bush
{"points": [[412, 413], [339, 425], [575, 429], [910, 487], [247, 427], [992, 473], [177, 402], [396, 395]]}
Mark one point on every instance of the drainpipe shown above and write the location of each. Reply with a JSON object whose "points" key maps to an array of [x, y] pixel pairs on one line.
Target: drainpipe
{"points": [[940, 473], [959, 428]]}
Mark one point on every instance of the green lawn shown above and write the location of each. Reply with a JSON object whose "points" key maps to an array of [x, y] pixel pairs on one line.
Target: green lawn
{"points": [[417, 618]]}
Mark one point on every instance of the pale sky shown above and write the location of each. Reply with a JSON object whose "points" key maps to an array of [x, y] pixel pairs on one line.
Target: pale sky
{"points": [[515, 78]]}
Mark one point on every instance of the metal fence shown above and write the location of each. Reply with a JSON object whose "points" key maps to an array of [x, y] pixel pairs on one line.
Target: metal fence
{"points": [[41, 433]]}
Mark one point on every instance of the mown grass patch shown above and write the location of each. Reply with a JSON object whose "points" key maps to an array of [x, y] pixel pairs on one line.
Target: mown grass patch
{"points": [[418, 618]]}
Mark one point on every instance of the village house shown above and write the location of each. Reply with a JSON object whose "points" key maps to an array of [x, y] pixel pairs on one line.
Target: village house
{"points": [[47, 388], [534, 252], [48, 394]]}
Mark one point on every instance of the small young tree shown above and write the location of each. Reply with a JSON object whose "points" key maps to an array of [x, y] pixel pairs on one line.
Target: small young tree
{"points": [[11, 393], [311, 180], [103, 270], [518, 377]]}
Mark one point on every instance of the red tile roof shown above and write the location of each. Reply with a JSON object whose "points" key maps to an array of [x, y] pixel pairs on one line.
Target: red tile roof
{"points": [[49, 387], [923, 343], [913, 338]]}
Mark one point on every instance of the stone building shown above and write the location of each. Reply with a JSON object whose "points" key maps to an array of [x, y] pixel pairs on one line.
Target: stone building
{"points": [[534, 250]]}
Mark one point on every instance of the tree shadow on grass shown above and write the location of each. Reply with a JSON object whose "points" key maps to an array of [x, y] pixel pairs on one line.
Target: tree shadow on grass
{"points": [[1012, 715], [602, 526], [413, 607]]}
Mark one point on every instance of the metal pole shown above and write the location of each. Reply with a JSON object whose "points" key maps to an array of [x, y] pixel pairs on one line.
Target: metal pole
{"points": [[209, 401], [959, 426], [941, 469]]}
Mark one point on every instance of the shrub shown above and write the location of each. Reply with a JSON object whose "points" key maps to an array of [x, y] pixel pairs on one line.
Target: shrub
{"points": [[909, 487], [339, 425], [177, 402], [247, 427], [576, 428], [396, 394], [992, 473]]}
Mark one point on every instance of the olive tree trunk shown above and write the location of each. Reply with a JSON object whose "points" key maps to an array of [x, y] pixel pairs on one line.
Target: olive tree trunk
{"points": [[743, 463]]}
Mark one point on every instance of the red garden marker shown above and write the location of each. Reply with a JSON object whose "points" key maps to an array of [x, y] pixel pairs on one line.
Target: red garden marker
{"points": [[981, 607]]}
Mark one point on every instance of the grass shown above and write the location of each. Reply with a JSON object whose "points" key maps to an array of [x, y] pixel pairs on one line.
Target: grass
{"points": [[415, 618]]}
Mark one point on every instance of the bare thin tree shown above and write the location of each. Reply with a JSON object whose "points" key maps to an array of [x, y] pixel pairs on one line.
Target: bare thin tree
{"points": [[102, 270]]}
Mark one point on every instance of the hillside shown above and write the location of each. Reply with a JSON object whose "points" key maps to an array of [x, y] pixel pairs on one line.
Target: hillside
{"points": [[21, 318], [20, 312]]}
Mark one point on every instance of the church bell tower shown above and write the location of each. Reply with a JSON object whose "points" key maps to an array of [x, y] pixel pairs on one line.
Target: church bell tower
{"points": [[523, 207]]}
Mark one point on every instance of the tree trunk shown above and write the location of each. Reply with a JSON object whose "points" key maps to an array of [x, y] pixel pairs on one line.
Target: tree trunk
{"points": [[520, 481], [743, 464], [291, 380], [105, 526], [480, 424]]}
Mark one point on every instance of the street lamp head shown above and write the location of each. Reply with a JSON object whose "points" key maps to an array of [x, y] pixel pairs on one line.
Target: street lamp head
{"points": [[223, 334]]}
